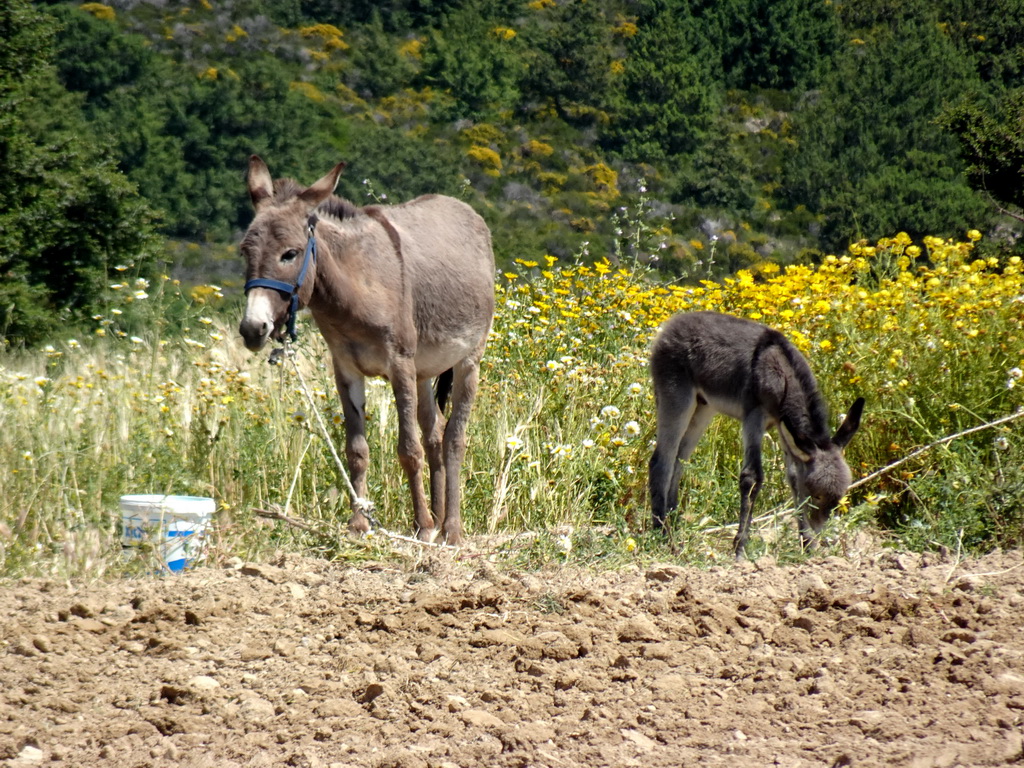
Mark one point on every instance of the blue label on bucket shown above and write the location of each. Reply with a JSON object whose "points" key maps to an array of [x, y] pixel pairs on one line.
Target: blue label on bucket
{"points": [[142, 533]]}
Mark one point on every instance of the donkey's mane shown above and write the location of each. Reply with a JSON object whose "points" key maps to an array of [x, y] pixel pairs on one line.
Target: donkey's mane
{"points": [[812, 421], [338, 207]]}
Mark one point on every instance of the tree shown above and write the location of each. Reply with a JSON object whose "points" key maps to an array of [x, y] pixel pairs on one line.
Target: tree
{"points": [[396, 164], [476, 59], [992, 146], [665, 102], [96, 58], [991, 33], [780, 44], [398, 15], [66, 214], [721, 176], [379, 69], [568, 61], [870, 155]]}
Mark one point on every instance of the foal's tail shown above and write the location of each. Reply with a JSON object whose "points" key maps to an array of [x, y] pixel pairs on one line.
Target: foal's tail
{"points": [[443, 387]]}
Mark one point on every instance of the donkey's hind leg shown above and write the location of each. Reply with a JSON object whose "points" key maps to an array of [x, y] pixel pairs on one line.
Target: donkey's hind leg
{"points": [[675, 410], [432, 431], [464, 385], [699, 422]]}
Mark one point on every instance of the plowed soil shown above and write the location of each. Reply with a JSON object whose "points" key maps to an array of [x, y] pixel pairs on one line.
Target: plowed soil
{"points": [[883, 660]]}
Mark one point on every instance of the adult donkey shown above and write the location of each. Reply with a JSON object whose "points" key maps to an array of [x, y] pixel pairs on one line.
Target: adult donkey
{"points": [[405, 292], [704, 363]]}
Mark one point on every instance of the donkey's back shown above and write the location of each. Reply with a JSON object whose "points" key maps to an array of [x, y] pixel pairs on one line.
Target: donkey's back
{"points": [[735, 365], [710, 353], [446, 253]]}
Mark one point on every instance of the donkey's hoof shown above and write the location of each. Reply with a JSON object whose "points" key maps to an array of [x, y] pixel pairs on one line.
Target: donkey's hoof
{"points": [[358, 525], [452, 538], [428, 535]]}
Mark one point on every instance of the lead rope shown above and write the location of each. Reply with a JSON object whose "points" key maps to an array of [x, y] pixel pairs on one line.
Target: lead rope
{"points": [[359, 504], [783, 509]]}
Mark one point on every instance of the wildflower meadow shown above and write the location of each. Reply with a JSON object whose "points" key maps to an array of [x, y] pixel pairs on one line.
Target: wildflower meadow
{"points": [[163, 398]]}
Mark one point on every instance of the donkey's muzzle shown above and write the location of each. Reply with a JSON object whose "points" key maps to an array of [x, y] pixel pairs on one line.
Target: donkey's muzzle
{"points": [[263, 319], [255, 333]]}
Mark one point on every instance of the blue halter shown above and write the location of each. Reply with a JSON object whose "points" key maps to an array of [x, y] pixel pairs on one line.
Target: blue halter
{"points": [[291, 291]]}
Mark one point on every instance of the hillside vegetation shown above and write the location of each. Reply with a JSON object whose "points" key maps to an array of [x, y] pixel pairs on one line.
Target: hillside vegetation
{"points": [[783, 130], [850, 174]]}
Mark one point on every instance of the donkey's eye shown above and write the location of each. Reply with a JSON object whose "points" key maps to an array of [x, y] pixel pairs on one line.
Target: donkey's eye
{"points": [[290, 255]]}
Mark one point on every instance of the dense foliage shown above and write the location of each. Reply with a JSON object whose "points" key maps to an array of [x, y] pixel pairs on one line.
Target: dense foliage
{"points": [[67, 215], [784, 127]]}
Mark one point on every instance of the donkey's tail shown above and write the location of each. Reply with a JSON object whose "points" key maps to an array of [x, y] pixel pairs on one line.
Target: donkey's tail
{"points": [[443, 387]]}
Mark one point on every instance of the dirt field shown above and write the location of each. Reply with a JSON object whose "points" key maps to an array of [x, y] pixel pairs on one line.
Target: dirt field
{"points": [[886, 660]]}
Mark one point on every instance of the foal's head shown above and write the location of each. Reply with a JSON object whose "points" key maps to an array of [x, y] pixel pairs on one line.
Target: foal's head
{"points": [[818, 472], [274, 247]]}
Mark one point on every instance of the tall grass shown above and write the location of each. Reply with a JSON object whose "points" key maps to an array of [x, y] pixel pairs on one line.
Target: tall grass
{"points": [[166, 400]]}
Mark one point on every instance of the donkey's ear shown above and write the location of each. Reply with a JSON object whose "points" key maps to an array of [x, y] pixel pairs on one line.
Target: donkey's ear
{"points": [[793, 445], [322, 189], [850, 424], [261, 186]]}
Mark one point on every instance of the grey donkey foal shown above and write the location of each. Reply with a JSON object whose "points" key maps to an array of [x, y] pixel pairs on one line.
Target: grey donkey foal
{"points": [[705, 363]]}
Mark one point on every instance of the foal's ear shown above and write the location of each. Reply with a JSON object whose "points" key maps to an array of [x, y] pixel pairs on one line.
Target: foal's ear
{"points": [[792, 444], [323, 188], [261, 186], [850, 424]]}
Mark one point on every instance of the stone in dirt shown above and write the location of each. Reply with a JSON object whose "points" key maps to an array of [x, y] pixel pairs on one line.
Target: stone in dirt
{"points": [[481, 719]]}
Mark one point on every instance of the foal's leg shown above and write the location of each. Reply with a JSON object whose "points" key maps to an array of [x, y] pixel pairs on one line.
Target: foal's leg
{"points": [[432, 428], [352, 393], [751, 476], [410, 452], [464, 385], [801, 499], [699, 422], [675, 408]]}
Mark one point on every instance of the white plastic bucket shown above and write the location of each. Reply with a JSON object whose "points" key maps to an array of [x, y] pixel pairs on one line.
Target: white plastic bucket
{"points": [[175, 526]]}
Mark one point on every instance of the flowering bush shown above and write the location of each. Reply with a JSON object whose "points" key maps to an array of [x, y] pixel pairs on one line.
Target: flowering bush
{"points": [[487, 158], [933, 338]]}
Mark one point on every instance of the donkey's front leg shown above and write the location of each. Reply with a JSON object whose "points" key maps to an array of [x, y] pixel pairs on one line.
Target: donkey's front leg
{"points": [[751, 476], [410, 452], [352, 393]]}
